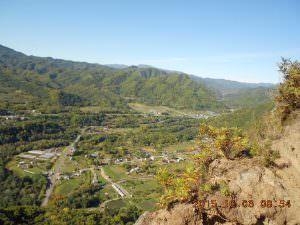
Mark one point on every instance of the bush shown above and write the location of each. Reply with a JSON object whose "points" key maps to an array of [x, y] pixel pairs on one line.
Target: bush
{"points": [[224, 189], [228, 142]]}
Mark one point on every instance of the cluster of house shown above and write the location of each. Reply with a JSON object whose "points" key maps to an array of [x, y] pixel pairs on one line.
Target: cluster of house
{"points": [[14, 117], [201, 116], [206, 115], [120, 160], [68, 177], [19, 117], [176, 160], [77, 174], [25, 165]]}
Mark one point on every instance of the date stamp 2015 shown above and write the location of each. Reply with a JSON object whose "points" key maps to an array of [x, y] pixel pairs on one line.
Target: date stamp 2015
{"points": [[233, 203]]}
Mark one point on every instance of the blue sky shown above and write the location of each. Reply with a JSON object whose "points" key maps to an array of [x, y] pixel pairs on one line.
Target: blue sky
{"points": [[238, 40]]}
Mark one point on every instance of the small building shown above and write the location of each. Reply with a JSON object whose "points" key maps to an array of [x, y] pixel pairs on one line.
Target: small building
{"points": [[133, 169], [179, 159], [66, 177], [166, 161], [94, 155]]}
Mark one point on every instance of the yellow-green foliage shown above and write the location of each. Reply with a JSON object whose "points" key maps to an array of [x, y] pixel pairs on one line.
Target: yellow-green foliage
{"points": [[179, 188], [165, 177], [228, 142], [288, 98], [192, 183], [224, 189]]}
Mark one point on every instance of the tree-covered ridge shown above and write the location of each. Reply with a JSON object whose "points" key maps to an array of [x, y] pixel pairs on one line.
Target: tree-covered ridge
{"points": [[249, 97], [51, 84], [236, 94]]}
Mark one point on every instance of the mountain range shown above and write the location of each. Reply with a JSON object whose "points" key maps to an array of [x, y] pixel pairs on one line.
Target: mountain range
{"points": [[48, 83]]}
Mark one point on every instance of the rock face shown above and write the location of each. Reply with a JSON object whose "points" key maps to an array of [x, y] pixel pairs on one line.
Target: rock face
{"points": [[254, 188], [180, 214]]}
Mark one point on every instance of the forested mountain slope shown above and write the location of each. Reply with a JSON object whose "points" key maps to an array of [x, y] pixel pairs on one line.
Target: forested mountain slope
{"points": [[228, 86], [47, 83], [236, 94]]}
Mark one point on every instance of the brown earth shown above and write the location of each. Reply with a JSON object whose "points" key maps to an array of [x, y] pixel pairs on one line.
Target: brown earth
{"points": [[249, 181]]}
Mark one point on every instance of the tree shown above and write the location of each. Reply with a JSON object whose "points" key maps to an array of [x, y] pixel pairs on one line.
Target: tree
{"points": [[288, 97]]}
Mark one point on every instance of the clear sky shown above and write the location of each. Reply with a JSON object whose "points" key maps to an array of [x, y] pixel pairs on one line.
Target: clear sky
{"points": [[239, 40]]}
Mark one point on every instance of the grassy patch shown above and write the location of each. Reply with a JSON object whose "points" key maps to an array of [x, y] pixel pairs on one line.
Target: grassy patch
{"points": [[68, 186], [143, 188], [110, 192], [36, 169], [114, 205], [91, 109], [159, 109], [12, 165], [146, 205], [181, 147], [115, 172], [69, 166]]}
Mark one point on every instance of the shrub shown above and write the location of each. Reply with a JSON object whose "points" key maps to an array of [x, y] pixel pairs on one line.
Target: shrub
{"points": [[224, 188], [228, 142]]}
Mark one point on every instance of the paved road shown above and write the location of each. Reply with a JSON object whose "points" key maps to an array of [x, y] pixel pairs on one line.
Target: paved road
{"points": [[57, 168]]}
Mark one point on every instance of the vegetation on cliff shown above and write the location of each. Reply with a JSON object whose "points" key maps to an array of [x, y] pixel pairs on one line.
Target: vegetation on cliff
{"points": [[231, 143]]}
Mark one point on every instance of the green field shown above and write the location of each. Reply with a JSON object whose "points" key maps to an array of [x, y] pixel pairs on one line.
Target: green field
{"points": [[147, 188], [145, 193], [67, 186], [111, 193], [114, 205], [159, 109], [115, 172], [91, 109], [39, 168], [181, 147], [69, 166], [12, 165]]}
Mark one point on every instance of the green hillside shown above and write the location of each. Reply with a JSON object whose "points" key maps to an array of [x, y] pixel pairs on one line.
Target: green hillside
{"points": [[250, 97], [224, 87], [49, 84]]}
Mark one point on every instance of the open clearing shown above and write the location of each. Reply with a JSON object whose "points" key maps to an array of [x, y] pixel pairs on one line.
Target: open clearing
{"points": [[159, 110]]}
